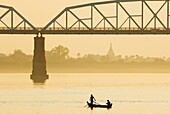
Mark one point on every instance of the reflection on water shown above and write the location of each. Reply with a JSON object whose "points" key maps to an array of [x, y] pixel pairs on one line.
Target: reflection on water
{"points": [[68, 93], [39, 84]]}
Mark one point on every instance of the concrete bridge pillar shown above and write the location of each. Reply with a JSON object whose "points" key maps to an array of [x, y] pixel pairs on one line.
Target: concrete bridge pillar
{"points": [[39, 72]]}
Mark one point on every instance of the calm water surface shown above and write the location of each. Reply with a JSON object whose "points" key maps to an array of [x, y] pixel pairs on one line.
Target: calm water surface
{"points": [[68, 93]]}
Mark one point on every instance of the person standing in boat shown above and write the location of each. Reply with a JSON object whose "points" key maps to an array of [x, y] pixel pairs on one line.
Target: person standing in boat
{"points": [[92, 99]]}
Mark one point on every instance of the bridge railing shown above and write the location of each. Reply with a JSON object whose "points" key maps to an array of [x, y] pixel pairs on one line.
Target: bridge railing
{"points": [[82, 28], [102, 28], [18, 28]]}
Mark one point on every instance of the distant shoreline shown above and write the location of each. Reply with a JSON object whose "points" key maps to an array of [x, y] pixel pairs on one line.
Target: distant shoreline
{"points": [[93, 69], [59, 61]]}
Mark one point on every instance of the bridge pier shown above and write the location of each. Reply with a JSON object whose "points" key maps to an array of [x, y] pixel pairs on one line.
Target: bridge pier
{"points": [[39, 73]]}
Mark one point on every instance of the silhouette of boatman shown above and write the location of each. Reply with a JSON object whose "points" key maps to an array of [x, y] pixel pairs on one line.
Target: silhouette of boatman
{"points": [[108, 103], [92, 99]]}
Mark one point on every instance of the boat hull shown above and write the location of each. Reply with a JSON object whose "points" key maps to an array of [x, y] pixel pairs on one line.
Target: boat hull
{"points": [[98, 105]]}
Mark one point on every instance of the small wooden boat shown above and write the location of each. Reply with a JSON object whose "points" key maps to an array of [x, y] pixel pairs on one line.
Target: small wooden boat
{"points": [[99, 105]]}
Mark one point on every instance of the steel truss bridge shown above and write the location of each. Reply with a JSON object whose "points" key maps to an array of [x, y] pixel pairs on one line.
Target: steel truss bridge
{"points": [[12, 22], [108, 17]]}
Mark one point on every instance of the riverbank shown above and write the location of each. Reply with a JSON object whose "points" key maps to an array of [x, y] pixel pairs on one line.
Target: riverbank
{"points": [[93, 68]]}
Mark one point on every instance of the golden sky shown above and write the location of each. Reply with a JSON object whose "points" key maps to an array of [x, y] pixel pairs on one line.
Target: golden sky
{"points": [[40, 12]]}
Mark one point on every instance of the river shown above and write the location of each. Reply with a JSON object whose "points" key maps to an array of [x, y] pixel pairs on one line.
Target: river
{"points": [[68, 93]]}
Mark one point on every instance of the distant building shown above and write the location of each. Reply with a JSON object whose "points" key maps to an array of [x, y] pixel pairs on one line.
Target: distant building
{"points": [[110, 54], [110, 57]]}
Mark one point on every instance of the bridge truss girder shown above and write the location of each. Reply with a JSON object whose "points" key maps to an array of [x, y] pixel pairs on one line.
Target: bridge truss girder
{"points": [[12, 22], [159, 26]]}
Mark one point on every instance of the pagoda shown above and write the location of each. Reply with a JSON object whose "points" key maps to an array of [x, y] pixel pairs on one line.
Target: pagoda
{"points": [[110, 54]]}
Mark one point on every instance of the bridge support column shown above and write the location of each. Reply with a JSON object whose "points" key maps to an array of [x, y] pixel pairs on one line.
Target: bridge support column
{"points": [[39, 73]]}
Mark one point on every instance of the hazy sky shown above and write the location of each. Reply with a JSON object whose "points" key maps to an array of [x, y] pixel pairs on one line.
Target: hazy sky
{"points": [[40, 12]]}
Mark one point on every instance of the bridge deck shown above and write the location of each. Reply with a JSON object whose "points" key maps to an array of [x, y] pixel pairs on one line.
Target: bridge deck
{"points": [[106, 30], [18, 30], [84, 30]]}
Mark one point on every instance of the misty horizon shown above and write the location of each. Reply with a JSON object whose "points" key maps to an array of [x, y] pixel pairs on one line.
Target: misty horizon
{"points": [[58, 60], [75, 55]]}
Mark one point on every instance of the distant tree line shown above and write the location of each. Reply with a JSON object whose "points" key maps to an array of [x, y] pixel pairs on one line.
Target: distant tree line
{"points": [[59, 57]]}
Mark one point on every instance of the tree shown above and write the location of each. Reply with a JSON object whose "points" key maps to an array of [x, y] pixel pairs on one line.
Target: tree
{"points": [[18, 54], [60, 52]]}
